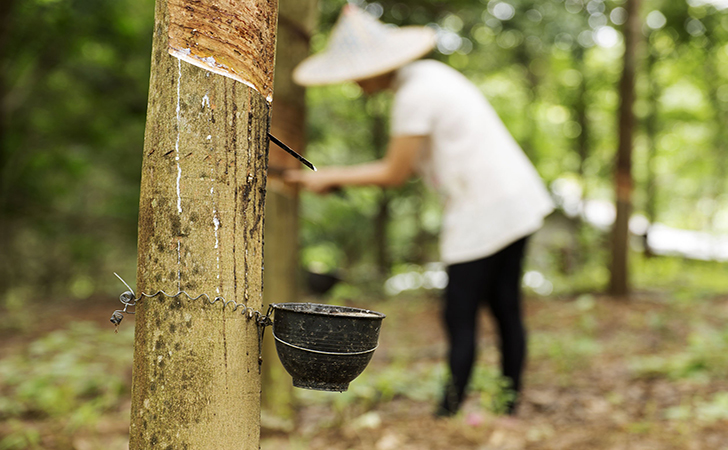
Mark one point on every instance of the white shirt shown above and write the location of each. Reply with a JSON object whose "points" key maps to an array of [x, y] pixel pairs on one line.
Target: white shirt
{"points": [[492, 194]]}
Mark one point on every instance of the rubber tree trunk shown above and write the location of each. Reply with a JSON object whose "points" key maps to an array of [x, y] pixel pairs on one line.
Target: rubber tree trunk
{"points": [[651, 130], [196, 374], [619, 282], [296, 20]]}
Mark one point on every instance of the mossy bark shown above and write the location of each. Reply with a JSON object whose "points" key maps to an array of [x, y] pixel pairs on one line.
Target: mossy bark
{"points": [[296, 20], [196, 379]]}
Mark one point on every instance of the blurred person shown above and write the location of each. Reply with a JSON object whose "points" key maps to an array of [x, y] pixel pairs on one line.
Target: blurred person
{"points": [[443, 129]]}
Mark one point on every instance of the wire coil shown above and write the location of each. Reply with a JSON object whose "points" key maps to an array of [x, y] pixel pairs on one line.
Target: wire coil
{"points": [[129, 299]]}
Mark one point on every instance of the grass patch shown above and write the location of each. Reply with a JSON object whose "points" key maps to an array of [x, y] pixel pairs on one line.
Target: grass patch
{"points": [[68, 378]]}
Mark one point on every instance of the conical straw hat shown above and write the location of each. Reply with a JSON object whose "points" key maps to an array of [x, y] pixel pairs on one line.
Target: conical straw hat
{"points": [[361, 47]]}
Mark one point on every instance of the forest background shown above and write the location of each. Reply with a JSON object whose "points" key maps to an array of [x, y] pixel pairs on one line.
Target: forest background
{"points": [[74, 86], [74, 76]]}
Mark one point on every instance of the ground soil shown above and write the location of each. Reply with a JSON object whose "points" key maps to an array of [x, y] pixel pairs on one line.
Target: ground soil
{"points": [[574, 399], [582, 390]]}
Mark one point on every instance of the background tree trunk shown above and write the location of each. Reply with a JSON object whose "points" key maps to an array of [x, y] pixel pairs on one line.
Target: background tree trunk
{"points": [[296, 20], [580, 110], [196, 379], [6, 8], [6, 264], [716, 189], [650, 123], [583, 149], [382, 217], [528, 141], [619, 283]]}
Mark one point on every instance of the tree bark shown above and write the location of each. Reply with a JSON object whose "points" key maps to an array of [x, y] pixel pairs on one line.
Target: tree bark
{"points": [[6, 265], [6, 9], [196, 374], [296, 21], [382, 218], [580, 109], [619, 283], [650, 123]]}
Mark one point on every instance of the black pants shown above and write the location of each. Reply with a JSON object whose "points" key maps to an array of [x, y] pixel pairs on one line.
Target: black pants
{"points": [[495, 280]]}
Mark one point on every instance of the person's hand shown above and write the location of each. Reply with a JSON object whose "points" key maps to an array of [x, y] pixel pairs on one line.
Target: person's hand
{"points": [[321, 182]]}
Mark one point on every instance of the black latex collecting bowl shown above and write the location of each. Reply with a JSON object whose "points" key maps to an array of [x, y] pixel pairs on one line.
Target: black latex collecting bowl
{"points": [[325, 347]]}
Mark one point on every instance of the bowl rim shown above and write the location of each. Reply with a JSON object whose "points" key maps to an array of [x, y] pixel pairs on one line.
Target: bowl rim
{"points": [[341, 311]]}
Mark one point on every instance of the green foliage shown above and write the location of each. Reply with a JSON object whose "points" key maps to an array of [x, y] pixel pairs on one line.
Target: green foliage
{"points": [[69, 376], [702, 411], [20, 438], [567, 350], [685, 279], [551, 75], [73, 83], [495, 392], [382, 385], [422, 382], [705, 357]]}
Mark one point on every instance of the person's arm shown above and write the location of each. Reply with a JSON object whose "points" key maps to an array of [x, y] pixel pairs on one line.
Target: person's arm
{"points": [[392, 170]]}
